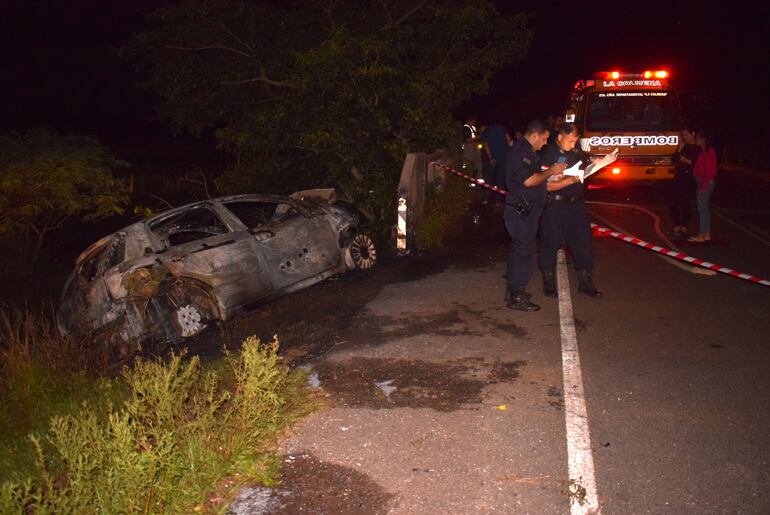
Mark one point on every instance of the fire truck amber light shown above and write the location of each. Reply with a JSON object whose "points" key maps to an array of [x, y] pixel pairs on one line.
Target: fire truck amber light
{"points": [[659, 74], [614, 75], [616, 171]]}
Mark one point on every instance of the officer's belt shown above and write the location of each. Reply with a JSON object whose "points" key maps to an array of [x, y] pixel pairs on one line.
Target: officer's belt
{"points": [[565, 198]]}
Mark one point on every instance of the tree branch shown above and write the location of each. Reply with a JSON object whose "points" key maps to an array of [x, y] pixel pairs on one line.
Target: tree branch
{"points": [[210, 47], [407, 15], [328, 10], [448, 54], [164, 201], [342, 157], [387, 11], [200, 179], [236, 38], [262, 78]]}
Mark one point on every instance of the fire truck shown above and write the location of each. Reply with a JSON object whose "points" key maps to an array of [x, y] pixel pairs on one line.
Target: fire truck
{"points": [[637, 113]]}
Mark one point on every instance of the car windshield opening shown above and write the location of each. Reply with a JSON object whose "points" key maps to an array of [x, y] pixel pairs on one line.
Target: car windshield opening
{"points": [[194, 224], [255, 214]]}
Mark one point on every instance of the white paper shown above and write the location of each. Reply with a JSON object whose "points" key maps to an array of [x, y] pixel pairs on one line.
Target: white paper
{"points": [[575, 171], [582, 173], [601, 163]]}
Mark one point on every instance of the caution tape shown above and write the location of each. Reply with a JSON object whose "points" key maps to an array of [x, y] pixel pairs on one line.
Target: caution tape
{"points": [[678, 255], [480, 182], [629, 239]]}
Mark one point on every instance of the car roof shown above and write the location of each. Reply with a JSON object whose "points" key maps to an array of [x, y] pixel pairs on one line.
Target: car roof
{"points": [[218, 200], [141, 230]]}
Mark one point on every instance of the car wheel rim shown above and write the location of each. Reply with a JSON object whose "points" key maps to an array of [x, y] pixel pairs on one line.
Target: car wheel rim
{"points": [[363, 252], [189, 319]]}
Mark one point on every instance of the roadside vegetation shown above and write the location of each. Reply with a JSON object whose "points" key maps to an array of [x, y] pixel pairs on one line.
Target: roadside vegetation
{"points": [[161, 435], [446, 204]]}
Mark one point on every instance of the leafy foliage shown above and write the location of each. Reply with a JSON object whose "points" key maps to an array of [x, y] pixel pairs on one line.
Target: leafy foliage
{"points": [[184, 437], [305, 94], [47, 179], [444, 208]]}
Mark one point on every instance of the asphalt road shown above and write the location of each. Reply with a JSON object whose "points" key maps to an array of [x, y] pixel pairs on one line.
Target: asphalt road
{"points": [[676, 364], [441, 400]]}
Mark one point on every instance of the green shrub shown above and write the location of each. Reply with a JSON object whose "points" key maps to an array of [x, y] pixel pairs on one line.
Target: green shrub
{"points": [[444, 209], [172, 444]]}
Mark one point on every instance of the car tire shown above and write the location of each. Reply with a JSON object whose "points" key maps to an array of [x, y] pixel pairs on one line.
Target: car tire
{"points": [[189, 308], [361, 254]]}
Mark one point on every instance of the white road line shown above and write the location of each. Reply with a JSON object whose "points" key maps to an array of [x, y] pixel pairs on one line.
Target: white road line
{"points": [[583, 498], [725, 215]]}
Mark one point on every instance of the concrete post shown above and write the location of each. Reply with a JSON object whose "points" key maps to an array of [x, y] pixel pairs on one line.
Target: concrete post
{"points": [[411, 200]]}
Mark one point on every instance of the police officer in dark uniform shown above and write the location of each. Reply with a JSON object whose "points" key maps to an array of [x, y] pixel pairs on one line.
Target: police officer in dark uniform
{"points": [[523, 205], [565, 217]]}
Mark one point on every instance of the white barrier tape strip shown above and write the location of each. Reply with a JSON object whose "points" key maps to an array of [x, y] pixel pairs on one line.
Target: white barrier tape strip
{"points": [[670, 261], [474, 180], [629, 239], [649, 213], [679, 255]]}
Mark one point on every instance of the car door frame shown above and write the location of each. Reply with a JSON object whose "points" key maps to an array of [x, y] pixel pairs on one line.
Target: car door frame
{"points": [[279, 255], [223, 262]]}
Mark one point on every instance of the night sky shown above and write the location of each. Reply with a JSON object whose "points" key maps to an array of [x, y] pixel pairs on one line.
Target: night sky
{"points": [[718, 54], [58, 69]]}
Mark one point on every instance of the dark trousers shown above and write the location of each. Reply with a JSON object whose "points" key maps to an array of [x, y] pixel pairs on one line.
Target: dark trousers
{"points": [[521, 260], [682, 195], [494, 176], [565, 221]]}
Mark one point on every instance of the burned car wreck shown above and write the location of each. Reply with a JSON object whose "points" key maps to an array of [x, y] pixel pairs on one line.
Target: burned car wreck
{"points": [[171, 276]]}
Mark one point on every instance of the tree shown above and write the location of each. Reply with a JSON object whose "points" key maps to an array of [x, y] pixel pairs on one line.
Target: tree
{"points": [[47, 179], [312, 93]]}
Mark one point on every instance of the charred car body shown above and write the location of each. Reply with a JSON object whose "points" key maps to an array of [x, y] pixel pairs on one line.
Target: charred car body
{"points": [[170, 276]]}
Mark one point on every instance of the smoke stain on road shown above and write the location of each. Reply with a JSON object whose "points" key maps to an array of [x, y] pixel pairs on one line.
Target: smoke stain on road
{"points": [[509, 328], [315, 486], [418, 384], [322, 487], [505, 372], [342, 319], [556, 400], [399, 383]]}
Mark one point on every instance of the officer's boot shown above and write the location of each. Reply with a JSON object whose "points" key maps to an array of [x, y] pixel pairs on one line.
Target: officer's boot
{"points": [[549, 283], [587, 285], [518, 299], [508, 295]]}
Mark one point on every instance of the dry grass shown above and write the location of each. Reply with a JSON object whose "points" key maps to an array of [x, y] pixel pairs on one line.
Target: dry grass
{"points": [[43, 375]]}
